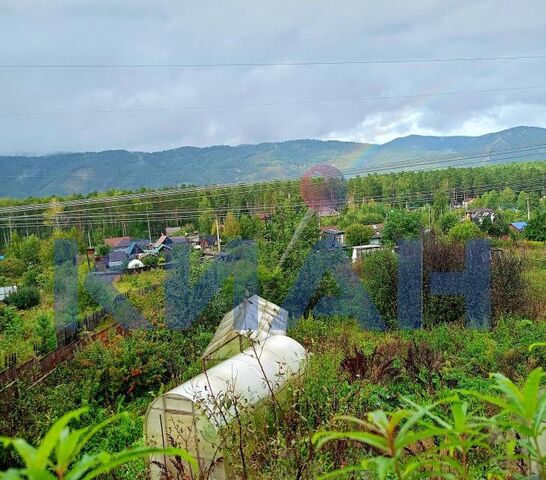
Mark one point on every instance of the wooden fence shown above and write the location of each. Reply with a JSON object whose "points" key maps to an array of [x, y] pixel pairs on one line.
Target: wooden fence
{"points": [[69, 339], [36, 368]]}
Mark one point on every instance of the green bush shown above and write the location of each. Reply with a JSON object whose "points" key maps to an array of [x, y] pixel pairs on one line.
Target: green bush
{"points": [[32, 277], [401, 224], [10, 320], [103, 250], [448, 221], [358, 234], [62, 453], [151, 260], [536, 229], [12, 268], [24, 298], [465, 231]]}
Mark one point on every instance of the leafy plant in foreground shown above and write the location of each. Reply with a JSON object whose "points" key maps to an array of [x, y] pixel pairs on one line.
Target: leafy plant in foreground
{"points": [[61, 453], [524, 413], [421, 441]]}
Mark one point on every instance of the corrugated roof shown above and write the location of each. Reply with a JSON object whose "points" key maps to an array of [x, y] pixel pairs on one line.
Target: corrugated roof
{"points": [[117, 256], [519, 225]]}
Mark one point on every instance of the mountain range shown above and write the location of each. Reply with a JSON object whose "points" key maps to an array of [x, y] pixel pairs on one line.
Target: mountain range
{"points": [[68, 173]]}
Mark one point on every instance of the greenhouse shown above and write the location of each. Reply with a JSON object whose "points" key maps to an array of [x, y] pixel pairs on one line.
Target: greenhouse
{"points": [[191, 416]]}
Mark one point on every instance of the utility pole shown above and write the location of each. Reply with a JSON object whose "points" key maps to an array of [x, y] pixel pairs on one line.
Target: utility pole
{"points": [[218, 234], [528, 209]]}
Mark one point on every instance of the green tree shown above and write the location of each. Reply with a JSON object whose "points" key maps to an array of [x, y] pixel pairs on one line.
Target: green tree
{"points": [[495, 228], [45, 331], [53, 213], [447, 221], [358, 234], [401, 224], [248, 227], [441, 200], [232, 228], [465, 231], [29, 251], [47, 248], [507, 198], [536, 229], [32, 277], [206, 216], [10, 320]]}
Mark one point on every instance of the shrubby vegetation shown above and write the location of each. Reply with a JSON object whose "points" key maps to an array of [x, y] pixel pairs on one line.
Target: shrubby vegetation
{"points": [[24, 298], [420, 378]]}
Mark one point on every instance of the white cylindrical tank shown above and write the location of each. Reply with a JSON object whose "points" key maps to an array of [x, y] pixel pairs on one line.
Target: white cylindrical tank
{"points": [[135, 263], [190, 415]]}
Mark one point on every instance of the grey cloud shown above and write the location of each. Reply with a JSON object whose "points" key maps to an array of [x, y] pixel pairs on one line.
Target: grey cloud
{"points": [[138, 31]]}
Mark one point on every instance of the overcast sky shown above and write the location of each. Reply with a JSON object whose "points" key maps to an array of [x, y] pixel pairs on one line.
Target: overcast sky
{"points": [[204, 32]]}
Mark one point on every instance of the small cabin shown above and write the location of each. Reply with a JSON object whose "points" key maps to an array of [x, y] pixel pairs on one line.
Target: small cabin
{"points": [[333, 234]]}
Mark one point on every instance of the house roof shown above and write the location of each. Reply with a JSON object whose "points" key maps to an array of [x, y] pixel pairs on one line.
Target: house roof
{"points": [[118, 242], [117, 256], [131, 247], [2, 257], [331, 231], [519, 225], [327, 212], [161, 240], [157, 250], [180, 240]]}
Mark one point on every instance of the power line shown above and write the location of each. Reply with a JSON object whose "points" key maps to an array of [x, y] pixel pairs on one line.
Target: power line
{"points": [[275, 64], [431, 159], [453, 160], [423, 197], [68, 218], [269, 104]]}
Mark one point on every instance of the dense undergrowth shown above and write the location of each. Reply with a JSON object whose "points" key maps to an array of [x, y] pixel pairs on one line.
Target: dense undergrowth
{"points": [[351, 372]]}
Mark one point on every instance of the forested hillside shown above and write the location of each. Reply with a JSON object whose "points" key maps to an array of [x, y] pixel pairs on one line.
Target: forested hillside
{"points": [[68, 173], [143, 214]]}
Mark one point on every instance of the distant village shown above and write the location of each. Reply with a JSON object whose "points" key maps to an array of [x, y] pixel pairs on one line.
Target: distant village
{"points": [[134, 255], [126, 253]]}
